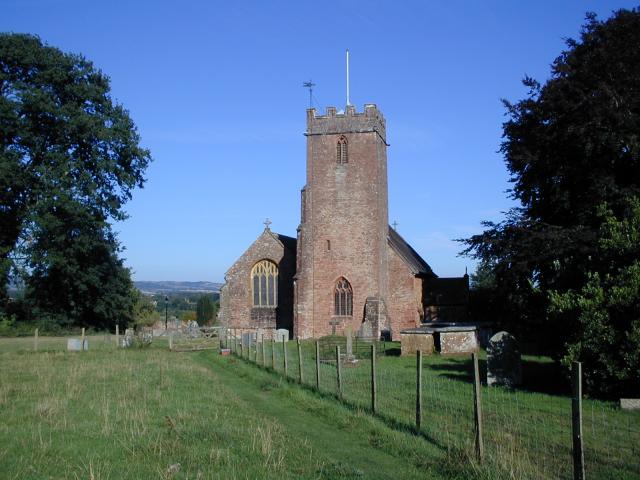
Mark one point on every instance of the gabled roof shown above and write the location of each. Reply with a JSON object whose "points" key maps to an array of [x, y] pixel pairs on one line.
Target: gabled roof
{"points": [[414, 261], [288, 242]]}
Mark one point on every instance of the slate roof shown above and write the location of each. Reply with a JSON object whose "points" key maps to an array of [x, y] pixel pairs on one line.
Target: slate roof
{"points": [[288, 242], [414, 261]]}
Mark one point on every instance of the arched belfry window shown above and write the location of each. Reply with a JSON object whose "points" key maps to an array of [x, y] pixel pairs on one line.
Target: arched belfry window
{"points": [[343, 298], [264, 283], [342, 154]]}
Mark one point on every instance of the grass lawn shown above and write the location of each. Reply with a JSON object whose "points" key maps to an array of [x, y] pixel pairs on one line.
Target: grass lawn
{"points": [[134, 413]]}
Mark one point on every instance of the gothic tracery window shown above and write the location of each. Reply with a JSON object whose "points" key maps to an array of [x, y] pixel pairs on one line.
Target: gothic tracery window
{"points": [[342, 154], [343, 298], [264, 283]]}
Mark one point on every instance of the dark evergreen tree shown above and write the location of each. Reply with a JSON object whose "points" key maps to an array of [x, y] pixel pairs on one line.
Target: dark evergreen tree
{"points": [[68, 153], [205, 309], [572, 148]]}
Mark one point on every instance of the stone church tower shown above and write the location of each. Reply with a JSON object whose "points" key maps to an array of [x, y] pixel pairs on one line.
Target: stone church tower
{"points": [[343, 235]]}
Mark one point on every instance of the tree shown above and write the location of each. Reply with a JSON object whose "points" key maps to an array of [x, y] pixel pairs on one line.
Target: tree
{"points": [[75, 275], [572, 148], [607, 308], [205, 309], [68, 153], [144, 310]]}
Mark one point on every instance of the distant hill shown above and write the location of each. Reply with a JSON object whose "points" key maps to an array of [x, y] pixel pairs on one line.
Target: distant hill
{"points": [[171, 287]]}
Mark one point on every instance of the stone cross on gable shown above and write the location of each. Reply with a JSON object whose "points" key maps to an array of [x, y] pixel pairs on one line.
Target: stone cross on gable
{"points": [[395, 225], [267, 222]]}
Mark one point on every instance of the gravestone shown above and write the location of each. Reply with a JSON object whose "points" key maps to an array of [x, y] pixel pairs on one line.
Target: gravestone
{"points": [[282, 334], [127, 340], [630, 403], [77, 345], [349, 357], [375, 318], [193, 329], [503, 361], [146, 336]]}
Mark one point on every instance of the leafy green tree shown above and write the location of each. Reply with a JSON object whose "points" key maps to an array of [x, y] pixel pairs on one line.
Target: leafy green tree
{"points": [[607, 308], [144, 309], [69, 160], [205, 309], [571, 146]]}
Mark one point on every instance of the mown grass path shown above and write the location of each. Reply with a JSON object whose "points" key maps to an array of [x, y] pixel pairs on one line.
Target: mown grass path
{"points": [[347, 443]]}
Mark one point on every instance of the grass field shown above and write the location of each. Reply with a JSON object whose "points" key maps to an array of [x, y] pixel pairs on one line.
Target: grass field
{"points": [[527, 432], [137, 413]]}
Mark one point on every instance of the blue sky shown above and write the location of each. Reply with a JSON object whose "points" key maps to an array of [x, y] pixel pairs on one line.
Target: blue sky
{"points": [[215, 89]]}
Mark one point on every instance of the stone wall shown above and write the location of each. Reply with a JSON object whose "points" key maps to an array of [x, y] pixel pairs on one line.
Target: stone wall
{"points": [[405, 296], [236, 303]]}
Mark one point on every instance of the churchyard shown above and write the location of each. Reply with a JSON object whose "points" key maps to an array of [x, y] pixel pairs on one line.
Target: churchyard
{"points": [[151, 413]]}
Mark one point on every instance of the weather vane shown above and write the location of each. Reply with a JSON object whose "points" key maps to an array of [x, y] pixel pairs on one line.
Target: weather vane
{"points": [[310, 86]]}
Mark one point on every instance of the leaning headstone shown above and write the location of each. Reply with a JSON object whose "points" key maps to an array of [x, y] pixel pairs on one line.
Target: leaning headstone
{"points": [[503, 361], [77, 345], [282, 334]]}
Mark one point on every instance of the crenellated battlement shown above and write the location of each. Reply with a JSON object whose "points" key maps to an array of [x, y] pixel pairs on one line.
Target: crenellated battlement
{"points": [[332, 122]]}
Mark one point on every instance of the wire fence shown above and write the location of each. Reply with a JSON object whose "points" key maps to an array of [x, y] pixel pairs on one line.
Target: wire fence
{"points": [[525, 434]]}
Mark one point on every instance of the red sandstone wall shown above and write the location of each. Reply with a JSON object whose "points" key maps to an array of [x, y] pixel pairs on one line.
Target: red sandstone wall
{"points": [[404, 303], [236, 301]]}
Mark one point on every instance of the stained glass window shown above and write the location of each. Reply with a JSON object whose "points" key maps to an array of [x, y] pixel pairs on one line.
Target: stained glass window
{"points": [[343, 298], [264, 276]]}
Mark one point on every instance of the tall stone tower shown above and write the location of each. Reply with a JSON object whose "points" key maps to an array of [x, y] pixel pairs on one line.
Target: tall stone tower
{"points": [[343, 234]]}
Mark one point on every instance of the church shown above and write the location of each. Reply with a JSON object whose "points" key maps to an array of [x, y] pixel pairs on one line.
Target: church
{"points": [[346, 269]]}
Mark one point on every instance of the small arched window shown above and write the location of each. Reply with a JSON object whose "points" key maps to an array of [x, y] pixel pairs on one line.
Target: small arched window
{"points": [[342, 154], [343, 298], [264, 283]]}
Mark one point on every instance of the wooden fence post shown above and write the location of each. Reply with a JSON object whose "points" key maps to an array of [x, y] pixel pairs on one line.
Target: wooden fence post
{"points": [[170, 341], [264, 355], [477, 408], [300, 376], [418, 390], [576, 422], [117, 335], [82, 340], [284, 352], [273, 353], [338, 371], [257, 349], [374, 386], [35, 340], [318, 365]]}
